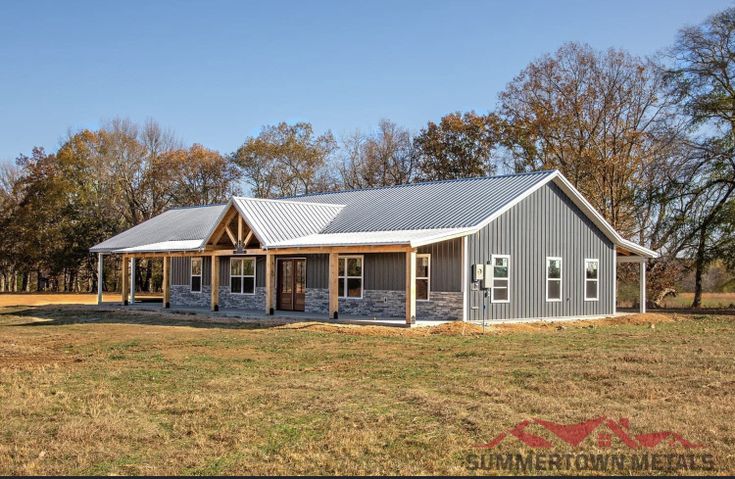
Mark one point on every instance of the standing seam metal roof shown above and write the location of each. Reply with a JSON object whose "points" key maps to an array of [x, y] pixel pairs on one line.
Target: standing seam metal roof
{"points": [[422, 212], [172, 225], [458, 203], [278, 220]]}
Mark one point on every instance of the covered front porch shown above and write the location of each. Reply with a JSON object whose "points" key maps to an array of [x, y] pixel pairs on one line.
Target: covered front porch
{"points": [[252, 315], [210, 299]]}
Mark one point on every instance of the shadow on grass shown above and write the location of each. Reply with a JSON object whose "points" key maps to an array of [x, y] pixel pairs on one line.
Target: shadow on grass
{"points": [[57, 315]]}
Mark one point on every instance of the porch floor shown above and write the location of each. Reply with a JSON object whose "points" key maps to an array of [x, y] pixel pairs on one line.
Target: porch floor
{"points": [[257, 315]]}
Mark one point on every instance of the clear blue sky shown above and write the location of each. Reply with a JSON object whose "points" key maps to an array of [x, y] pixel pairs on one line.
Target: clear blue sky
{"points": [[216, 71]]}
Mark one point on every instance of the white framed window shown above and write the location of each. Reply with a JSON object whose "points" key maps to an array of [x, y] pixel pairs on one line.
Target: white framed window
{"points": [[242, 275], [196, 275], [500, 278], [553, 279], [423, 277], [591, 279], [350, 276]]}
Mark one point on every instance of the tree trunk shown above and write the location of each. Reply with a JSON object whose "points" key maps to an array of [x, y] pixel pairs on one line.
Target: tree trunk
{"points": [[700, 265]]}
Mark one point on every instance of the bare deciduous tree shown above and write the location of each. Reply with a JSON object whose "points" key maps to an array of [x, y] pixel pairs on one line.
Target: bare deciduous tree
{"points": [[382, 158]]}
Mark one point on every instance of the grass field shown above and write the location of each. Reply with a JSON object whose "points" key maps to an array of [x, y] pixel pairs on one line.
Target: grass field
{"points": [[709, 300], [84, 392]]}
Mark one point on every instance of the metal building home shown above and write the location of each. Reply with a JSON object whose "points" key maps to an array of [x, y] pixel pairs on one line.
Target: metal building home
{"points": [[504, 247]]}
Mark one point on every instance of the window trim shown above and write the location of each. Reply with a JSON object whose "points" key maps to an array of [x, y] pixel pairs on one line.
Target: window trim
{"points": [[427, 278], [560, 279], [346, 277], [243, 276], [492, 279], [596, 280], [200, 275]]}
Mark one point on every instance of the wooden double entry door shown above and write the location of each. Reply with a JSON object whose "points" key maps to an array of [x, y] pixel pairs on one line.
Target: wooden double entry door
{"points": [[291, 287]]}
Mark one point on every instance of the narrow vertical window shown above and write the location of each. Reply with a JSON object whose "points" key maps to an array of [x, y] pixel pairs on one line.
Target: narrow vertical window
{"points": [[242, 275], [423, 275], [591, 279], [500, 278], [553, 279], [350, 277], [196, 275]]}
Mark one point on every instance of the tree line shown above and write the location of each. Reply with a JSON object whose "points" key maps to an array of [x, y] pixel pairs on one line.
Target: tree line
{"points": [[648, 141]]}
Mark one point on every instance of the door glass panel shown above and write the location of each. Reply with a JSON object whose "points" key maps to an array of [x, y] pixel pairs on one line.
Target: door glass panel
{"points": [[287, 280], [300, 277]]}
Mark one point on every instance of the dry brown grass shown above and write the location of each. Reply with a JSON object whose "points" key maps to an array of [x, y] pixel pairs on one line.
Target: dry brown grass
{"points": [[88, 392], [709, 300], [40, 299]]}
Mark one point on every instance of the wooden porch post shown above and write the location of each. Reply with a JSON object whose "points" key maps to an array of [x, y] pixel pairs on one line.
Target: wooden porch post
{"points": [[411, 287], [124, 287], [100, 277], [334, 285], [132, 279], [166, 281], [270, 281], [643, 286], [215, 283]]}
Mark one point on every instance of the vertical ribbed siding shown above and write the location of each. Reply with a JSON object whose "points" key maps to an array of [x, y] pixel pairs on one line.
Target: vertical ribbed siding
{"points": [[385, 271], [545, 224], [181, 270], [446, 265], [317, 271]]}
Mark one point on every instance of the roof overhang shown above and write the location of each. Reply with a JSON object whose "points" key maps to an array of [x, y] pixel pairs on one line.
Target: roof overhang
{"points": [[408, 238], [164, 246]]}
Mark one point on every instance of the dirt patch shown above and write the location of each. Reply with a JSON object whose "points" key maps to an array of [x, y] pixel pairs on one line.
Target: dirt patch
{"points": [[353, 329], [457, 328], [646, 319]]}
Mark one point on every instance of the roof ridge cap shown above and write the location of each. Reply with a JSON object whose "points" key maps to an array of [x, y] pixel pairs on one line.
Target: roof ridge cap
{"points": [[421, 183], [286, 200]]}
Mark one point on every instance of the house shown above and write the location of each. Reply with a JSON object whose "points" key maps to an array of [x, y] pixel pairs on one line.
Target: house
{"points": [[504, 247]]}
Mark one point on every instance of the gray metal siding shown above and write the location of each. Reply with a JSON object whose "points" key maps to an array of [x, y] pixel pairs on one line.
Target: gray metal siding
{"points": [[446, 265], [317, 271], [385, 271], [546, 223], [181, 270]]}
